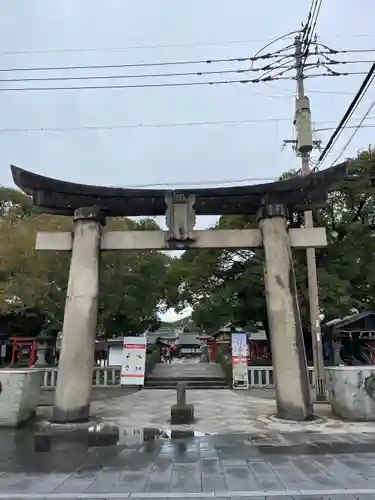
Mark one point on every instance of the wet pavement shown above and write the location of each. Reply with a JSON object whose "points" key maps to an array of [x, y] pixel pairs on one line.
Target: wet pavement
{"points": [[225, 412], [47, 396], [107, 461], [235, 449]]}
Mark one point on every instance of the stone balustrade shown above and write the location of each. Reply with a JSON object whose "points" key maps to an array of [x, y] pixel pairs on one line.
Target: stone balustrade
{"points": [[109, 376]]}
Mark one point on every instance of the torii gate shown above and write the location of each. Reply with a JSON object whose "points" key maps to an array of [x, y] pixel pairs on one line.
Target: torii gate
{"points": [[273, 203]]}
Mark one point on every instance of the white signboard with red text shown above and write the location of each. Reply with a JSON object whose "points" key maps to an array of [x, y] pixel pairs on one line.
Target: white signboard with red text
{"points": [[134, 361]]}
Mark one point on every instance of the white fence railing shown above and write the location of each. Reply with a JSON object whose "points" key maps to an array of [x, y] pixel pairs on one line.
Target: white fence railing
{"points": [[109, 376], [103, 376], [262, 376]]}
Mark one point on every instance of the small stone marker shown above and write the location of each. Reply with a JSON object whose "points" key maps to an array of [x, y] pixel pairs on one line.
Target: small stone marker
{"points": [[181, 412], [181, 394]]}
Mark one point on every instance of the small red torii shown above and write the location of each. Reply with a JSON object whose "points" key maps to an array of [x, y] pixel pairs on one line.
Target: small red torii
{"points": [[23, 343]]}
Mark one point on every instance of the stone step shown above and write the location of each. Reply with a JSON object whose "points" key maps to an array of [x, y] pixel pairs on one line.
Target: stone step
{"points": [[190, 384], [186, 379], [195, 387]]}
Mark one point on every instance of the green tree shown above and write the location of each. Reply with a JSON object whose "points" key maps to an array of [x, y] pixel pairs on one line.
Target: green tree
{"points": [[132, 284], [227, 285]]}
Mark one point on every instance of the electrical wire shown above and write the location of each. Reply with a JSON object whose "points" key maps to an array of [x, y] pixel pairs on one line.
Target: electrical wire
{"points": [[172, 84], [121, 77], [267, 69], [278, 39], [330, 50], [257, 57], [357, 127], [371, 125], [310, 28], [147, 75], [275, 54], [203, 183], [278, 96], [94, 128], [211, 43], [348, 114]]}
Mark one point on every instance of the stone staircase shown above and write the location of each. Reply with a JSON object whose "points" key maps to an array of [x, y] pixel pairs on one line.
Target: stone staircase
{"points": [[194, 375]]}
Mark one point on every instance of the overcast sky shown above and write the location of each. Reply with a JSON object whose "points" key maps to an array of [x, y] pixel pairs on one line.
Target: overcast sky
{"points": [[40, 33]]}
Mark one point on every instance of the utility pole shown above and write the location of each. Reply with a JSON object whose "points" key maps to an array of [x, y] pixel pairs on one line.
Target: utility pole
{"points": [[304, 147]]}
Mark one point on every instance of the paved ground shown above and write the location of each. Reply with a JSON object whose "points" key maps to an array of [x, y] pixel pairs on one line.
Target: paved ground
{"points": [[223, 411], [236, 448], [149, 464], [47, 397]]}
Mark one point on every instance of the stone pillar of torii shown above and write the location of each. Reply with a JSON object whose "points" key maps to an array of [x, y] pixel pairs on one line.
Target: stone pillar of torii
{"points": [[90, 238]]}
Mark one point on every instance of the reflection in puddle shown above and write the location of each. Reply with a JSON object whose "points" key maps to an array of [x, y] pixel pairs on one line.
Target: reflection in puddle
{"points": [[104, 435]]}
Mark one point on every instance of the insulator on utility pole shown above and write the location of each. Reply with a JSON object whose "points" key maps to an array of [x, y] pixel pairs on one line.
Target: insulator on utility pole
{"points": [[303, 126]]}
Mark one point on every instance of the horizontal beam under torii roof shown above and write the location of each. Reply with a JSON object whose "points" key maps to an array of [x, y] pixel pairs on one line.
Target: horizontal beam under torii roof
{"points": [[63, 198], [157, 240]]}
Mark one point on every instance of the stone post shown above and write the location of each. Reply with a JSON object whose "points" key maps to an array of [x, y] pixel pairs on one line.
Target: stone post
{"points": [[74, 382], [41, 347], [337, 360], [288, 350]]}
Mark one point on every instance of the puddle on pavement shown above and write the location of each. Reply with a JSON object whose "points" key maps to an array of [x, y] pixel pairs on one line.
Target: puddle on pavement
{"points": [[104, 435], [44, 449]]}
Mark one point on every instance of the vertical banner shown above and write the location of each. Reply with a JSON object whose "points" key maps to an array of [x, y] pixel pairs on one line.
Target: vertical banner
{"points": [[134, 361], [239, 361]]}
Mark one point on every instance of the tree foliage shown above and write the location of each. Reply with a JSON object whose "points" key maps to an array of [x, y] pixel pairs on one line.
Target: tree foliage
{"points": [[220, 285], [132, 284], [227, 285]]}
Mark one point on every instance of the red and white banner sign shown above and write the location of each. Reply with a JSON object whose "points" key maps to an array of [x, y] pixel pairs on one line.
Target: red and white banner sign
{"points": [[134, 361], [239, 361]]}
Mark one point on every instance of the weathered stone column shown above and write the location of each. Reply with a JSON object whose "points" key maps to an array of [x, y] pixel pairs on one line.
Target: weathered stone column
{"points": [[74, 383], [288, 350]]}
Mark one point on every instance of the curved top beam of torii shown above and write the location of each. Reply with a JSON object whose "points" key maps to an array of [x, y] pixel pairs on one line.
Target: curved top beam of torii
{"points": [[63, 198]]}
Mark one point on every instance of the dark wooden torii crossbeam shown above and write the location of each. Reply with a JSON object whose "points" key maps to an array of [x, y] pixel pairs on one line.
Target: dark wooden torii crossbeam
{"points": [[63, 198]]}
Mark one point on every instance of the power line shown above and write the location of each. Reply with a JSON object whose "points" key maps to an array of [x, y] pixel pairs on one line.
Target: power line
{"points": [[212, 43], [93, 128], [146, 65], [348, 127], [203, 183], [143, 125], [282, 37], [357, 127], [286, 96], [257, 57], [172, 84], [347, 115], [120, 77], [267, 69], [310, 28], [147, 75]]}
